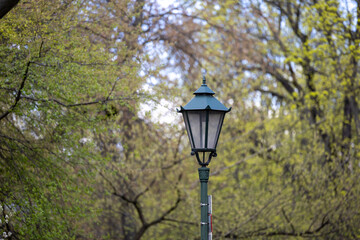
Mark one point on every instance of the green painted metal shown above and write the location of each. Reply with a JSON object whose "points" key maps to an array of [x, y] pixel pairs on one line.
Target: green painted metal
{"points": [[202, 102], [204, 89], [206, 129], [204, 178], [204, 99]]}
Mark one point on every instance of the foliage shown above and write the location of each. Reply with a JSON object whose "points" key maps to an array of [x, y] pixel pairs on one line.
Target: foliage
{"points": [[57, 85], [290, 146], [80, 160]]}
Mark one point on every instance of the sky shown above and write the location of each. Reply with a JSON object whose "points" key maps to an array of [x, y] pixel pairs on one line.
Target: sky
{"points": [[163, 111]]}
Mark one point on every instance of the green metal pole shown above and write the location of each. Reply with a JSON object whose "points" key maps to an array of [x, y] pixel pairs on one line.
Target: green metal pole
{"points": [[204, 178]]}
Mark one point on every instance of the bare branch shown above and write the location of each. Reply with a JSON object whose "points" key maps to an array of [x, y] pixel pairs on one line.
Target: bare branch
{"points": [[147, 189], [170, 210], [273, 93], [253, 216], [288, 220], [18, 95]]}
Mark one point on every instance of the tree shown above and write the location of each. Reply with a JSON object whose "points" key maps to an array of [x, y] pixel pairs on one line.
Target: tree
{"points": [[290, 70], [79, 160], [137, 187], [57, 83]]}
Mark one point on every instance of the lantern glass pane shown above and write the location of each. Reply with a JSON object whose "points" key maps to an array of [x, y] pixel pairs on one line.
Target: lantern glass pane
{"points": [[202, 136], [203, 129], [215, 123], [197, 122], [187, 128]]}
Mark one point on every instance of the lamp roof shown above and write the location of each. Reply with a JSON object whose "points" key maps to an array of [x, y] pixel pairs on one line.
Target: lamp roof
{"points": [[204, 99]]}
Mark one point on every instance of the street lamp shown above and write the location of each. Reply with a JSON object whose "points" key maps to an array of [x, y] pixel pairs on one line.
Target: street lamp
{"points": [[203, 117]]}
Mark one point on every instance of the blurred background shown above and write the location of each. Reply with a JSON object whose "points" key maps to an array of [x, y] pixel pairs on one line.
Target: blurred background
{"points": [[91, 146]]}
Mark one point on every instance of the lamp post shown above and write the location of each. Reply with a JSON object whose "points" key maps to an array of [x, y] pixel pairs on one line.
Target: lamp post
{"points": [[203, 117]]}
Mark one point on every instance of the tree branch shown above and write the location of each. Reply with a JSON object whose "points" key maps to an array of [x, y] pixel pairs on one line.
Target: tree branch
{"points": [[102, 101], [171, 209], [288, 220], [18, 95], [274, 94], [143, 192]]}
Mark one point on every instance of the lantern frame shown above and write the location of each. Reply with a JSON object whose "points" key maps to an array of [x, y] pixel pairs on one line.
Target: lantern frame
{"points": [[204, 104]]}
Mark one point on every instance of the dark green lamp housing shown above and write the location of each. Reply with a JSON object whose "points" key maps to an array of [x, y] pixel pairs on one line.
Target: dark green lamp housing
{"points": [[203, 117]]}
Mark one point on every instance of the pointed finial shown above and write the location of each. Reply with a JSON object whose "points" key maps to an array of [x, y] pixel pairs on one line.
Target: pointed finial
{"points": [[203, 71]]}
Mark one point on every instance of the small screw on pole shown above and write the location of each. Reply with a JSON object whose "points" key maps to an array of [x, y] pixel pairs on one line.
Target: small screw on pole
{"points": [[203, 71]]}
